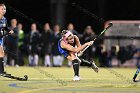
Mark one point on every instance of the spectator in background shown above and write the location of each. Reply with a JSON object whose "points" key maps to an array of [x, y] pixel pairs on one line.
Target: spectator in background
{"points": [[88, 35], [34, 40], [20, 45], [57, 58], [12, 45], [47, 44], [71, 28]]}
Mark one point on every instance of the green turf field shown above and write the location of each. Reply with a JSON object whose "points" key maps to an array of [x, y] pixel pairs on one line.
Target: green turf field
{"points": [[59, 80]]}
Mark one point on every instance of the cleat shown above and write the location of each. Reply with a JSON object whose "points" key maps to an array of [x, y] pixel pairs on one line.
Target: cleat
{"points": [[134, 80], [76, 78], [2, 73]]}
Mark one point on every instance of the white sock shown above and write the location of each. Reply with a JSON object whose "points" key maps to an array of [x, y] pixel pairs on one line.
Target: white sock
{"points": [[61, 60], [36, 59], [12, 62], [47, 60], [30, 58], [54, 60]]}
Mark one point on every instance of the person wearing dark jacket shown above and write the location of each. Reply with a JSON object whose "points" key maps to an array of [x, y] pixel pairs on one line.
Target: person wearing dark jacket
{"points": [[57, 57], [71, 28], [88, 35], [12, 44], [21, 45], [34, 40], [47, 44]]}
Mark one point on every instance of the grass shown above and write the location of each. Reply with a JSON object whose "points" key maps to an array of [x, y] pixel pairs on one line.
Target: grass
{"points": [[59, 80]]}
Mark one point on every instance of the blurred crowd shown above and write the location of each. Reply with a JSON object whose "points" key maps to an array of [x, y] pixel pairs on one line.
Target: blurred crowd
{"points": [[40, 47]]}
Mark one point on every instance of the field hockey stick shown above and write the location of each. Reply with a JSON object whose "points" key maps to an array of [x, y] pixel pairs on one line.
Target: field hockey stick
{"points": [[25, 78], [109, 25]]}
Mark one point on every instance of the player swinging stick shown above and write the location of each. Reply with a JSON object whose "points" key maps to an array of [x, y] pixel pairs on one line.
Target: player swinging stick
{"points": [[3, 32], [3, 23], [69, 45]]}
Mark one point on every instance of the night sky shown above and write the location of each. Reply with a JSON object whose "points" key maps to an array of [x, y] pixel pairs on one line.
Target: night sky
{"points": [[40, 12]]}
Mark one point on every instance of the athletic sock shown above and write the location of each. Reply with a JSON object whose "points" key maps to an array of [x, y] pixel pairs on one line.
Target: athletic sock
{"points": [[75, 64], [136, 74], [47, 60], [36, 58], [1, 65], [30, 58]]}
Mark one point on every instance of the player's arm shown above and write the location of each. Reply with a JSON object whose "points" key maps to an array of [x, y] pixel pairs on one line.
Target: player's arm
{"points": [[78, 44], [73, 49]]}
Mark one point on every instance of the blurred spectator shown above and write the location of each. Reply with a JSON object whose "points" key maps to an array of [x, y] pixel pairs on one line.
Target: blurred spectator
{"points": [[34, 41], [114, 56], [111, 57], [88, 35], [57, 58], [126, 53], [71, 28], [12, 45], [20, 45], [102, 55], [47, 44]]}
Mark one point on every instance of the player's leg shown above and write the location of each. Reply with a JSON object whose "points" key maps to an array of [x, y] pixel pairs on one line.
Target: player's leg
{"points": [[2, 72], [92, 64], [136, 74], [1, 59], [1, 65], [138, 70], [75, 64]]}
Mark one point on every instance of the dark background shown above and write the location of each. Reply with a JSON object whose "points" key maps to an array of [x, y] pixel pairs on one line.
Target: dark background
{"points": [[41, 11]]}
